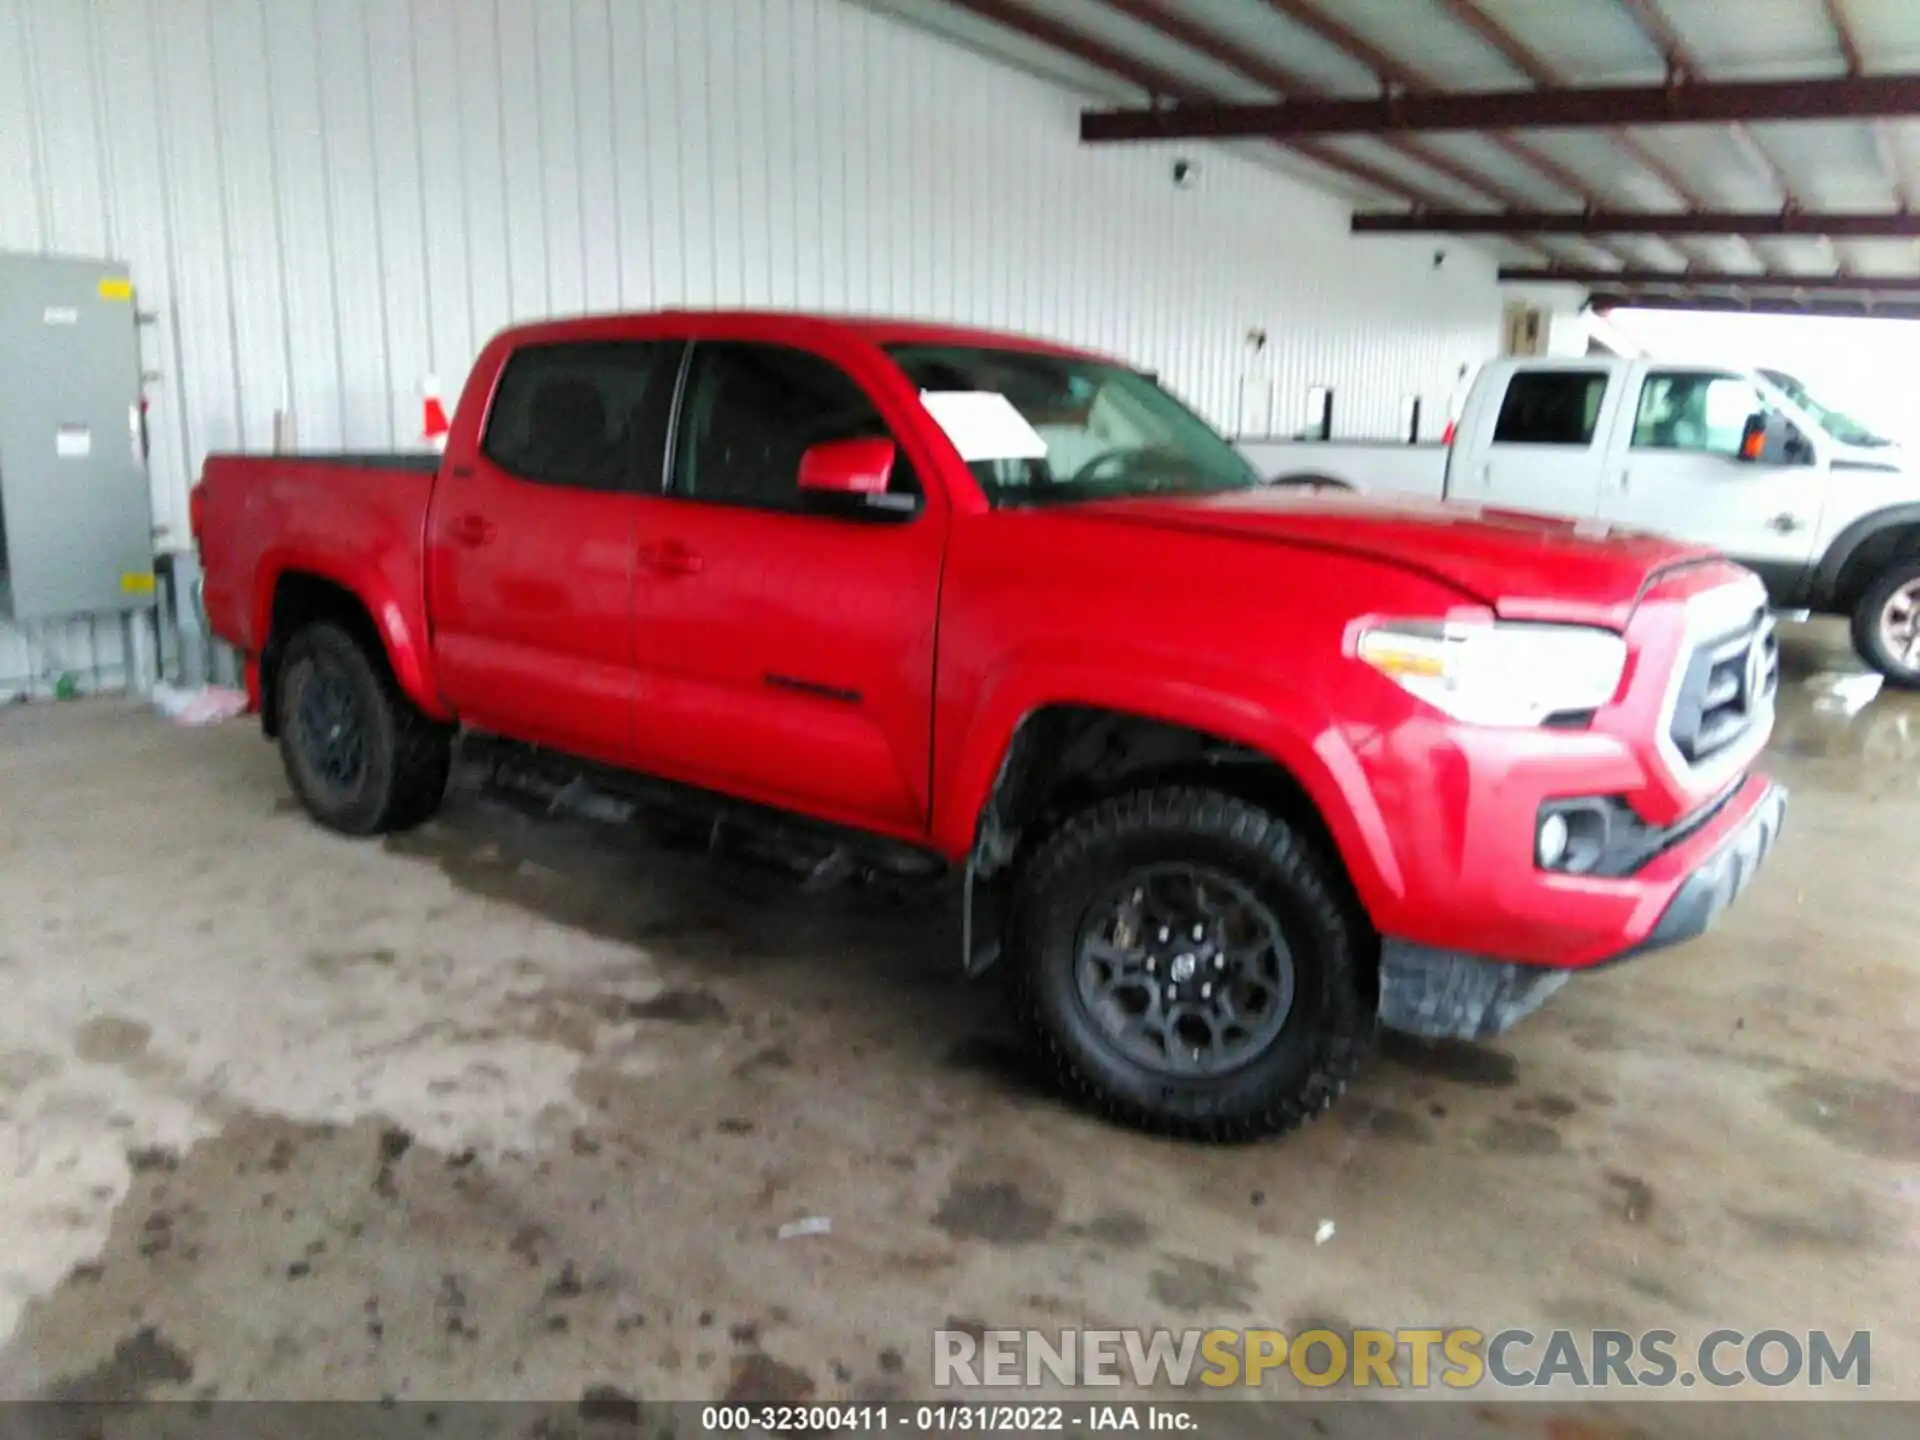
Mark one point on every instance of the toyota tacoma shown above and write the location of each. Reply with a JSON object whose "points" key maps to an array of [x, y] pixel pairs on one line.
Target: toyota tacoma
{"points": [[1229, 774]]}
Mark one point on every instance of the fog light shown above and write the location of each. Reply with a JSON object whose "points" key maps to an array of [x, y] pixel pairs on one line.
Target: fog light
{"points": [[1551, 843]]}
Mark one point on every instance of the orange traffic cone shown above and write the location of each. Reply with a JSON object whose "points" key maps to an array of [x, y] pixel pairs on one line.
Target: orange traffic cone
{"points": [[433, 414]]}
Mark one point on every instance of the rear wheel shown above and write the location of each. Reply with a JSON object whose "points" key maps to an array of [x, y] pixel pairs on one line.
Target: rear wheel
{"points": [[1186, 962], [1886, 623], [361, 757]]}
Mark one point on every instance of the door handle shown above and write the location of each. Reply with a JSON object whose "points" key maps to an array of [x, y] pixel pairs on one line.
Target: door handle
{"points": [[472, 530], [671, 558], [1784, 523]]}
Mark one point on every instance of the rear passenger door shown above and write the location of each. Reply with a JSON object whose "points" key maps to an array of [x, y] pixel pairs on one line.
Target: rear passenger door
{"points": [[784, 640], [531, 544], [1543, 445]]}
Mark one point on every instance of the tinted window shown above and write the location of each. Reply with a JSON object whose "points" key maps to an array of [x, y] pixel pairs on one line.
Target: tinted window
{"points": [[751, 412], [1685, 410], [591, 415], [1550, 407]]}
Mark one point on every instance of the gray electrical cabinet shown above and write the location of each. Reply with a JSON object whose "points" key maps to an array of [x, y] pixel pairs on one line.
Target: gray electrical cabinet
{"points": [[76, 514]]}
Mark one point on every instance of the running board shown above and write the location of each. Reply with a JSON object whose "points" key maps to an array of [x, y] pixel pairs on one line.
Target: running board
{"points": [[820, 856]]}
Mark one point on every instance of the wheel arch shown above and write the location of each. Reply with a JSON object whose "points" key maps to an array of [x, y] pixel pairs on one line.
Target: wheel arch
{"points": [[296, 596], [1311, 480], [1860, 551], [1064, 757], [1053, 751]]}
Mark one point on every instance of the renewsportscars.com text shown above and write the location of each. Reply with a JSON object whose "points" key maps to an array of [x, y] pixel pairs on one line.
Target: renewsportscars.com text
{"points": [[1459, 1358]]}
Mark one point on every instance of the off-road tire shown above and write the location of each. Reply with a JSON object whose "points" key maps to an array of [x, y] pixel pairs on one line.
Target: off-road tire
{"points": [[407, 754], [1867, 640], [1301, 1070]]}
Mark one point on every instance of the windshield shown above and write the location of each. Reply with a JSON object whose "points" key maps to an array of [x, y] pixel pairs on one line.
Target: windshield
{"points": [[1040, 429], [1844, 428]]}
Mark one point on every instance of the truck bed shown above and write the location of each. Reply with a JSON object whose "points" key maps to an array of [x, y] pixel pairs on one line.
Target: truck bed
{"points": [[1383, 466], [425, 461], [358, 520]]}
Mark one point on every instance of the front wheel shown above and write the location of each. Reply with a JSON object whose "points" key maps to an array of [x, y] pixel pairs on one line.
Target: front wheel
{"points": [[1187, 963], [1886, 623], [361, 757]]}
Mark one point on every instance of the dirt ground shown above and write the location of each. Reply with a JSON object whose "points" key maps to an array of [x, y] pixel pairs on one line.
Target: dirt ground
{"points": [[511, 1108]]}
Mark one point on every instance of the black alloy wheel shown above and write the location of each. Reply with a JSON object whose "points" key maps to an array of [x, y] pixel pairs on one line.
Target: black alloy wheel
{"points": [[1185, 969]]}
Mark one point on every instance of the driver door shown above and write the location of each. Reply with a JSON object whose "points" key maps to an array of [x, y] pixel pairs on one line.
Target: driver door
{"points": [[1680, 474], [784, 643]]}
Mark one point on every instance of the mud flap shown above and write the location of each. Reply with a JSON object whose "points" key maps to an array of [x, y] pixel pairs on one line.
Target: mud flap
{"points": [[983, 915]]}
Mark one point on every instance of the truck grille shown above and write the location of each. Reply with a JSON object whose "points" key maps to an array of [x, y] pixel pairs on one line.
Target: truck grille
{"points": [[1728, 688]]}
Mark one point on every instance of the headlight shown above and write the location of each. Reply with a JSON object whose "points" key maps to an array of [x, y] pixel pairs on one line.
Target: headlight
{"points": [[1494, 674]]}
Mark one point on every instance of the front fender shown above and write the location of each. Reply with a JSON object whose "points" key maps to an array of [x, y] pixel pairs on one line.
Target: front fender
{"points": [[393, 604], [1286, 724]]}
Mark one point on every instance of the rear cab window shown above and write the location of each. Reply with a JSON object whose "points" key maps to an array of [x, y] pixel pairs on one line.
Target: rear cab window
{"points": [[590, 415], [1551, 407]]}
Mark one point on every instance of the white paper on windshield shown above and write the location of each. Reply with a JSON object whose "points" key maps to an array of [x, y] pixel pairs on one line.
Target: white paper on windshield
{"points": [[983, 425]]}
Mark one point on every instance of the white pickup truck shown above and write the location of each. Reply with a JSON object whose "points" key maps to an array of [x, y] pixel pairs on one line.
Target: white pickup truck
{"points": [[1825, 512]]}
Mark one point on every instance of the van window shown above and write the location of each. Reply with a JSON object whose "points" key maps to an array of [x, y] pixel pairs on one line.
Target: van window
{"points": [[1551, 407]]}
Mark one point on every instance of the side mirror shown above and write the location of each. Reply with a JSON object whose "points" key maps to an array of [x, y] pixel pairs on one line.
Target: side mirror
{"points": [[848, 467], [1753, 437]]}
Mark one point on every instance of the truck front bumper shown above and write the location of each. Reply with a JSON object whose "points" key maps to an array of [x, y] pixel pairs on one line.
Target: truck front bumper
{"points": [[1441, 993]]}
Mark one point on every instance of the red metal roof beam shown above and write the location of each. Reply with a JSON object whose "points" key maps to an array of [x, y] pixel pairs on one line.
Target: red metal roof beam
{"points": [[1712, 279], [1530, 64], [1660, 33], [1843, 34], [1595, 107], [1761, 223], [1681, 63], [1536, 68], [1504, 42], [1165, 17], [1391, 72], [1157, 82], [1884, 149], [1860, 308]]}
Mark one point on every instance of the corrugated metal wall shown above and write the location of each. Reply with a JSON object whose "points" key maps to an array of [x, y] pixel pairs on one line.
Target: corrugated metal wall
{"points": [[323, 201]]}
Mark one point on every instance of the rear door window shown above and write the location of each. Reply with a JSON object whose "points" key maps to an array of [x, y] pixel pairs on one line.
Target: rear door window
{"points": [[1551, 407], [592, 415]]}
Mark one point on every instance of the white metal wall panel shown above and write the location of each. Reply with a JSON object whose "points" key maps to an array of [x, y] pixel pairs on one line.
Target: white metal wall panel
{"points": [[323, 201]]}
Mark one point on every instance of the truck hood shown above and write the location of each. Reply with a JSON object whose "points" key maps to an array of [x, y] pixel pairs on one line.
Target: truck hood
{"points": [[1524, 566]]}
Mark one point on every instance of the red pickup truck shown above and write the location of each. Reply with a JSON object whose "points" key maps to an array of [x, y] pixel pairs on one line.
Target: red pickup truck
{"points": [[1231, 773]]}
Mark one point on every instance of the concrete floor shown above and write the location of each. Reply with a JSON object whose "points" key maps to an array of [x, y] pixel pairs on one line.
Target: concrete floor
{"points": [[505, 1109]]}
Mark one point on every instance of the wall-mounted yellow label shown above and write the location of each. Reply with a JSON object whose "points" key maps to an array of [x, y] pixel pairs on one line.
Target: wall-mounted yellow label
{"points": [[116, 289], [137, 582]]}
